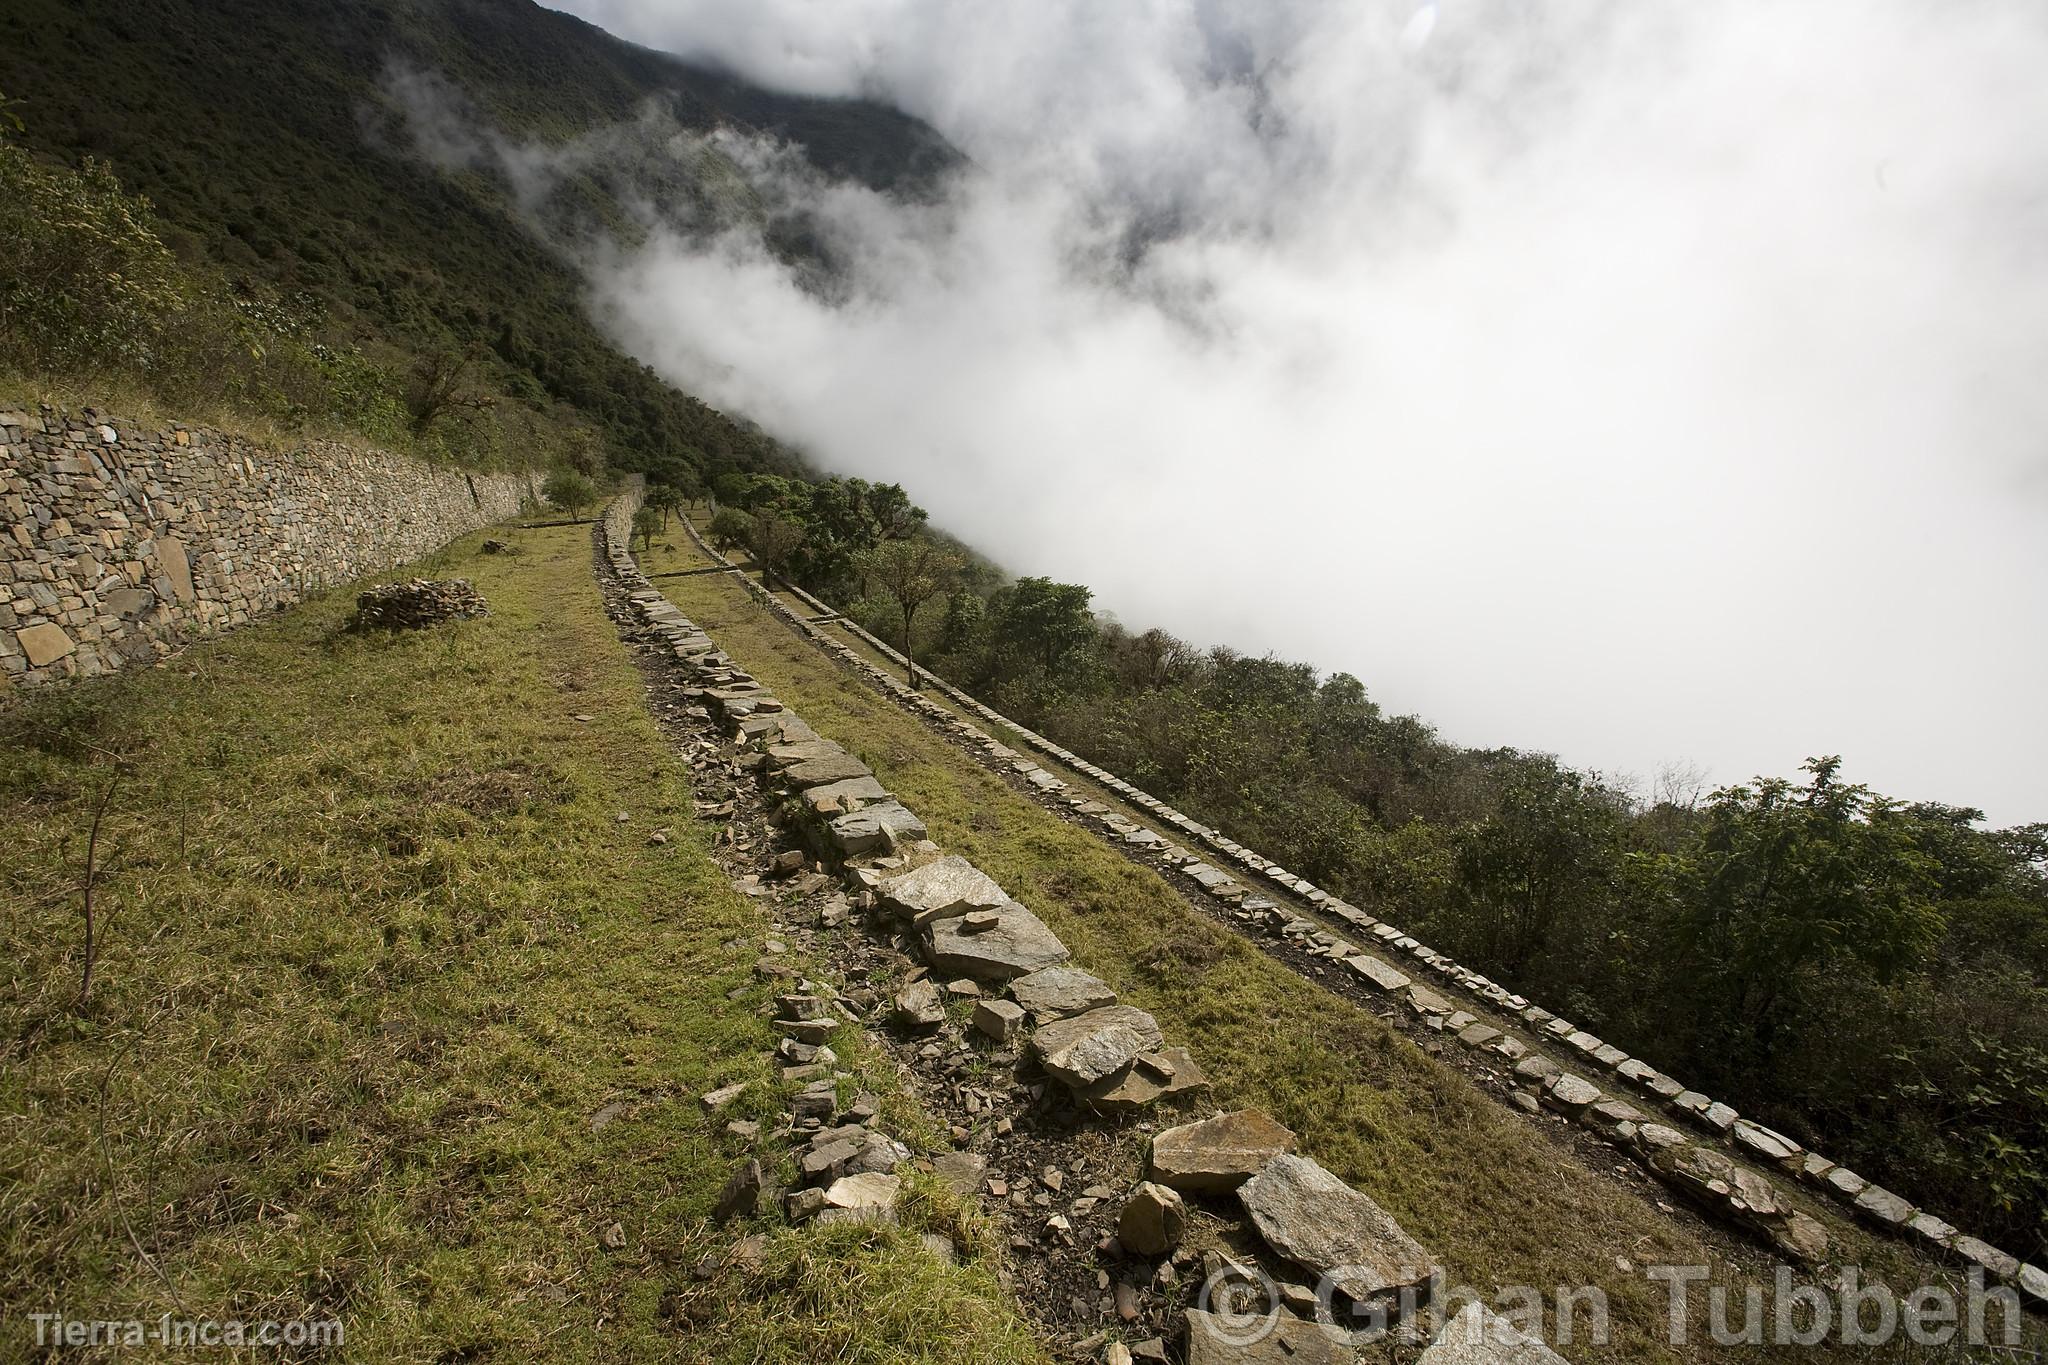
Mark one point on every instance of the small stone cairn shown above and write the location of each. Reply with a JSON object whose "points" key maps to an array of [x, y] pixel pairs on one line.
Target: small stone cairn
{"points": [[418, 605]]}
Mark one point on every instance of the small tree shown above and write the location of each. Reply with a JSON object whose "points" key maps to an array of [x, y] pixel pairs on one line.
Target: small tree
{"points": [[689, 485], [773, 538], [662, 500], [730, 528], [646, 521], [443, 384], [570, 491], [912, 572]]}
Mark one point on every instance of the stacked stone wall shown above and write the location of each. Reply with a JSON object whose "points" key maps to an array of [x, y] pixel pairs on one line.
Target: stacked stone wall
{"points": [[118, 544]]}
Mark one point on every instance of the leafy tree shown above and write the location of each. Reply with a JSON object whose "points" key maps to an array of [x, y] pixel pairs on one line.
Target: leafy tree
{"points": [[443, 384], [646, 522], [890, 511], [731, 529], [1047, 621], [912, 572], [963, 626], [1548, 850], [772, 538], [730, 488], [1785, 885], [662, 500], [569, 490]]}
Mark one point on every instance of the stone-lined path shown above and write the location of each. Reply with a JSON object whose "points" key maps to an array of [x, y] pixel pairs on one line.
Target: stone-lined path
{"points": [[1741, 1172], [1045, 1066]]}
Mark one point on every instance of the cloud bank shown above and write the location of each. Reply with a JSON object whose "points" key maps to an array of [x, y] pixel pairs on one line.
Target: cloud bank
{"points": [[1637, 381]]}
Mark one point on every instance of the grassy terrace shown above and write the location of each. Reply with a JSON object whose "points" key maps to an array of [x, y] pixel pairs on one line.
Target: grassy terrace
{"points": [[1500, 1199], [393, 1019]]}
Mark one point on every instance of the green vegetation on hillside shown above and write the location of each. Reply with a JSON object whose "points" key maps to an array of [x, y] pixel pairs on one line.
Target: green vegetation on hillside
{"points": [[263, 133], [393, 1019], [1864, 974]]}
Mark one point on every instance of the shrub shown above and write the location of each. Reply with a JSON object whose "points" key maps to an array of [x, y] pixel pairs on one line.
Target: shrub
{"points": [[85, 283], [570, 491]]}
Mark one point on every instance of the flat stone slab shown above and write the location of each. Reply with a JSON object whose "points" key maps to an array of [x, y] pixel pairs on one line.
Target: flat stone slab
{"points": [[1218, 1154], [816, 772], [1380, 975], [1016, 944], [1880, 1205], [802, 751], [1145, 1084], [1087, 1048], [1570, 1093], [1477, 1337], [1214, 1340], [1770, 1145], [1058, 992], [1326, 1227], [867, 1197], [876, 829], [835, 798], [950, 886]]}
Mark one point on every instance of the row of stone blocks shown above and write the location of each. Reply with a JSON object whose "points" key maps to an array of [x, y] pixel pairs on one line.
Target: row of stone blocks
{"points": [[1111, 1056], [965, 925], [1703, 1174]]}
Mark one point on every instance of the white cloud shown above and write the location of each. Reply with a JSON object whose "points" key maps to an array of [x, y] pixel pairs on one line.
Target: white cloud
{"points": [[1635, 381]]}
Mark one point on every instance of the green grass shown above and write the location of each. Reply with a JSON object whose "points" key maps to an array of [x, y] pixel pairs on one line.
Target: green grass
{"points": [[1499, 1201], [377, 951]]}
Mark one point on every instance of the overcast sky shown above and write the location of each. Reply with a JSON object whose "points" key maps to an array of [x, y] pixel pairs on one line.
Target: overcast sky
{"points": [[1642, 381]]}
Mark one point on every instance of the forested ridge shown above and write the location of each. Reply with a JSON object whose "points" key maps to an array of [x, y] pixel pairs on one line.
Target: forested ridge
{"points": [[1861, 971], [263, 136]]}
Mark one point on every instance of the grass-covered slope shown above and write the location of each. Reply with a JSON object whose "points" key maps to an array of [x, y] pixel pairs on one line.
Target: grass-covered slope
{"points": [[375, 951]]}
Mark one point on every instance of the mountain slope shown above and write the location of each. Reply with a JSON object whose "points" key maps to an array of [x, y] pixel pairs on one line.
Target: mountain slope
{"points": [[256, 128]]}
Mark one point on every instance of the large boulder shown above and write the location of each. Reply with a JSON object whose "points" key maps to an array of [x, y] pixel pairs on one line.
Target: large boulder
{"points": [[1095, 1046], [992, 945], [1329, 1229], [1058, 992], [951, 886], [1218, 1154]]}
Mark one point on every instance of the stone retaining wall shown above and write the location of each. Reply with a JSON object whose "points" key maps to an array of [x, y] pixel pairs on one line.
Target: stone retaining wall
{"points": [[119, 545], [1701, 1172]]}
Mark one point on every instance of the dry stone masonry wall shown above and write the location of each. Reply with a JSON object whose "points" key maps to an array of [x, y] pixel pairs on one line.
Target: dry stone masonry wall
{"points": [[1111, 1057], [119, 544], [1643, 1112]]}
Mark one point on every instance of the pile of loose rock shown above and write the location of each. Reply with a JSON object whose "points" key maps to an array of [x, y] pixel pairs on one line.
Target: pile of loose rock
{"points": [[417, 605]]}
